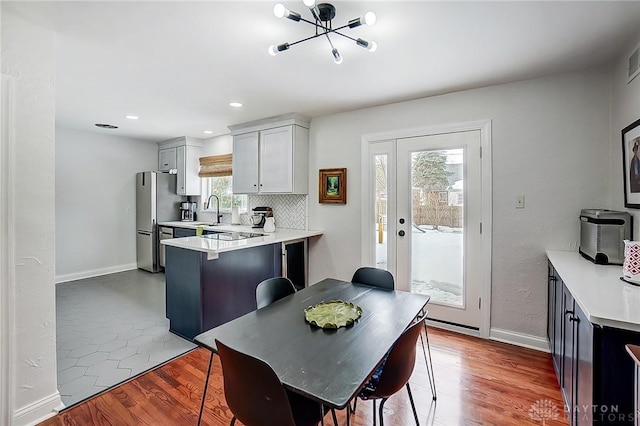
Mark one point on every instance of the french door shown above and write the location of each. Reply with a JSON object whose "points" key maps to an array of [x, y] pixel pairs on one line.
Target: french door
{"points": [[426, 198]]}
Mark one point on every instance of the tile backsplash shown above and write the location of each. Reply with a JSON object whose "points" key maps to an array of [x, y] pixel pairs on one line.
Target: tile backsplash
{"points": [[289, 211]]}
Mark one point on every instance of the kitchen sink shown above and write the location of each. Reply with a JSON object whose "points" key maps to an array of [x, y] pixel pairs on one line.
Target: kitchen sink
{"points": [[231, 236]]}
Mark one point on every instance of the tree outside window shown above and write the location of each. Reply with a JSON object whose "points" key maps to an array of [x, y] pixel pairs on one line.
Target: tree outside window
{"points": [[222, 187]]}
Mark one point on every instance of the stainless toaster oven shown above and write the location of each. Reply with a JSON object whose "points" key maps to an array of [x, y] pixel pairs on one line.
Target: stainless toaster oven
{"points": [[602, 235]]}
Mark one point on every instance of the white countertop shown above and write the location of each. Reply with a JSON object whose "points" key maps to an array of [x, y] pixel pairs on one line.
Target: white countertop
{"points": [[212, 246], [603, 297]]}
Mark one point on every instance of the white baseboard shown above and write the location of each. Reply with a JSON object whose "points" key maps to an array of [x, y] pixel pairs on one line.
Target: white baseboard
{"points": [[95, 273], [38, 411], [519, 339], [454, 328]]}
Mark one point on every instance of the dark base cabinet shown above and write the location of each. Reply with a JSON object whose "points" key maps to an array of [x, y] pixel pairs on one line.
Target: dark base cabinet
{"points": [[594, 371], [202, 294]]}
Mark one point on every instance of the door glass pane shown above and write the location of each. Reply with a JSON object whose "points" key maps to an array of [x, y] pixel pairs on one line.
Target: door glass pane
{"points": [[381, 210], [437, 206]]}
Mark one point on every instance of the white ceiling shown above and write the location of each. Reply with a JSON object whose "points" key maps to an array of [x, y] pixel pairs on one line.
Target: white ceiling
{"points": [[177, 65]]}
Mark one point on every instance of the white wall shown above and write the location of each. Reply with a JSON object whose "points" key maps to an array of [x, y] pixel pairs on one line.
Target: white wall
{"points": [[218, 145], [625, 109], [96, 201], [550, 143], [28, 55]]}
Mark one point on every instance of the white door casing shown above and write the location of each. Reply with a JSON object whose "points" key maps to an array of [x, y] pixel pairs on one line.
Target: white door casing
{"points": [[7, 275], [372, 144]]}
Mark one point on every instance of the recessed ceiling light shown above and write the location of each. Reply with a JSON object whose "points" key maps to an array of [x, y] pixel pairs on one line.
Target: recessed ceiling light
{"points": [[235, 104], [209, 132], [132, 117], [106, 126]]}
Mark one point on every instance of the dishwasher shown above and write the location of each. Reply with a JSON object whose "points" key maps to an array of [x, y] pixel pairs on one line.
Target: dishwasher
{"points": [[165, 234]]}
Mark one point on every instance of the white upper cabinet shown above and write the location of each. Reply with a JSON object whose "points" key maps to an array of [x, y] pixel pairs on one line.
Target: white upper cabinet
{"points": [[245, 163], [271, 156], [186, 159], [166, 159]]}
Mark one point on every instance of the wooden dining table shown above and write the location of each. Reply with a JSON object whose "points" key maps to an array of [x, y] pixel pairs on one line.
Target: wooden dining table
{"points": [[329, 366]]}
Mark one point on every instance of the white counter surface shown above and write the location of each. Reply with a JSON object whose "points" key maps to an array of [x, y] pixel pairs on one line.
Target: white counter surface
{"points": [[598, 290], [212, 246]]}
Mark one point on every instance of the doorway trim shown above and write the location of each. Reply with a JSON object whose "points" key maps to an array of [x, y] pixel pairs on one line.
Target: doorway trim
{"points": [[368, 222], [7, 257]]}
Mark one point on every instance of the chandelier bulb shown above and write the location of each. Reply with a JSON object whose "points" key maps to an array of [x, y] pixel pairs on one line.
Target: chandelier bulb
{"points": [[370, 18], [336, 56], [372, 46], [279, 10], [274, 50], [309, 3]]}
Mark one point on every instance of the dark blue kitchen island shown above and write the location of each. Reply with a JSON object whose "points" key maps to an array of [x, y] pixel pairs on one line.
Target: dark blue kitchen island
{"points": [[202, 294]]}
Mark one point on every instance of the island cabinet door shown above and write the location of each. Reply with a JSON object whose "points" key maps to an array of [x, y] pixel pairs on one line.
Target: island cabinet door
{"points": [[584, 402], [568, 350], [551, 300], [558, 322]]}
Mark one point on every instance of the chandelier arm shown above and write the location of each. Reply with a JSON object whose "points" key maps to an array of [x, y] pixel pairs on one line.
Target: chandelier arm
{"points": [[344, 35], [327, 34], [326, 29], [308, 38]]}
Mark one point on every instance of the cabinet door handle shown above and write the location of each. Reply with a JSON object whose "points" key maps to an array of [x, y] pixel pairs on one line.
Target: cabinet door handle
{"points": [[576, 319], [568, 312]]}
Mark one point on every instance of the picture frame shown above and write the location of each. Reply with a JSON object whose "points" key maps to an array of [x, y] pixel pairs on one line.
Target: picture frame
{"points": [[332, 186], [631, 164]]}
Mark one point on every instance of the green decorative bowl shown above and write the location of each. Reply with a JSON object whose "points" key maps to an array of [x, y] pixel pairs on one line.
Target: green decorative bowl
{"points": [[332, 314]]}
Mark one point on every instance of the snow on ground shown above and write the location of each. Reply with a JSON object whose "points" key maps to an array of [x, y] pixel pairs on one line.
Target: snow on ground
{"points": [[437, 259]]}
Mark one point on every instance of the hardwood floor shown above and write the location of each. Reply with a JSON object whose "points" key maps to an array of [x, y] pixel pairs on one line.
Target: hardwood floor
{"points": [[479, 382]]}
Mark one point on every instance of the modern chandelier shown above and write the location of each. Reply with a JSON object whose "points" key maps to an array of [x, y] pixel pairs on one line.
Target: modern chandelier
{"points": [[323, 15]]}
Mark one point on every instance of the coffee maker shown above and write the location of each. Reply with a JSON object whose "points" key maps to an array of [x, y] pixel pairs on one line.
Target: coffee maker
{"points": [[259, 216], [188, 211]]}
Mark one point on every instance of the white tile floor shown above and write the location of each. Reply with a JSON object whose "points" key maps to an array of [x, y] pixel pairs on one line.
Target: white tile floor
{"points": [[111, 328]]}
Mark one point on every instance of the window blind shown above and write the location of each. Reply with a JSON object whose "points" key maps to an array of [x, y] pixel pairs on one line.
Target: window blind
{"points": [[215, 166]]}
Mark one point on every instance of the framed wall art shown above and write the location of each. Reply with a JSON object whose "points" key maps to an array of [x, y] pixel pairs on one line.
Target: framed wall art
{"points": [[631, 164], [332, 188]]}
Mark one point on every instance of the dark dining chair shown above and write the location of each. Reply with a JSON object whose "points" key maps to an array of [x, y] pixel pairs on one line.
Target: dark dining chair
{"points": [[273, 289], [256, 396], [382, 278], [375, 277], [394, 373]]}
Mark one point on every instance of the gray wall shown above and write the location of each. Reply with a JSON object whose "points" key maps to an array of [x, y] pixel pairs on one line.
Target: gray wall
{"points": [[550, 141], [96, 201]]}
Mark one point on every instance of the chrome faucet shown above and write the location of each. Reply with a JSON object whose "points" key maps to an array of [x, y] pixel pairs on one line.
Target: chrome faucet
{"points": [[206, 207]]}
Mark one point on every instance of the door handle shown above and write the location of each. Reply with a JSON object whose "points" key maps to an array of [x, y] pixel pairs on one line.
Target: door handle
{"points": [[401, 233]]}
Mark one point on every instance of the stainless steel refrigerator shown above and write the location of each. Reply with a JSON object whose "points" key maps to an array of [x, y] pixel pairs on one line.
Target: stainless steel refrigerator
{"points": [[156, 201]]}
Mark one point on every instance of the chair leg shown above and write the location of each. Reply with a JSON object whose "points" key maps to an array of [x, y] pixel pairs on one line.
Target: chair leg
{"points": [[335, 419], [380, 410], [374, 412], [413, 406], [428, 362], [233, 421], [355, 402], [204, 392]]}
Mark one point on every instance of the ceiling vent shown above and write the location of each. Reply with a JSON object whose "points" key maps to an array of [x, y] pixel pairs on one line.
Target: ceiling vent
{"points": [[634, 65]]}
